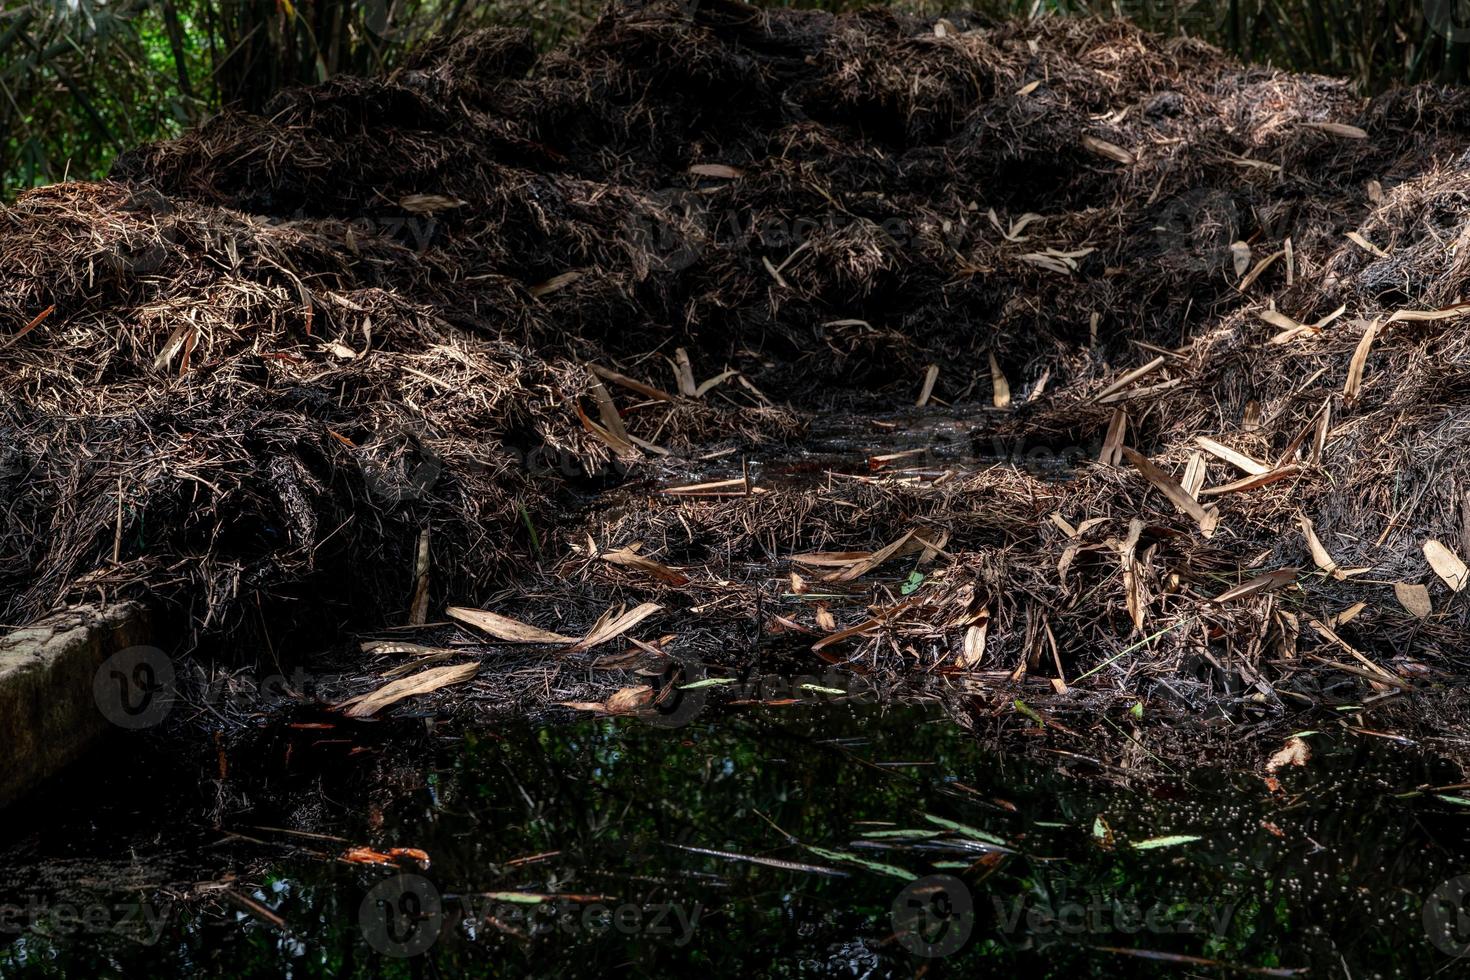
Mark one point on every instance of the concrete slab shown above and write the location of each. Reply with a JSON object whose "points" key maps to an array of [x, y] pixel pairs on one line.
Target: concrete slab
{"points": [[48, 710]]}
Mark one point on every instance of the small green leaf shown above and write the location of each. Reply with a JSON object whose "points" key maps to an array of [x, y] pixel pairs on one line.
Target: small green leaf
{"points": [[822, 690], [1029, 712], [1137, 710], [1153, 842], [901, 833], [706, 682], [974, 833], [520, 898], [878, 866], [1459, 800], [915, 580]]}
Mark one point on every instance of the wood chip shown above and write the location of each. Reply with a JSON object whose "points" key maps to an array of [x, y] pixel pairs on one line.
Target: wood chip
{"points": [[1296, 752], [1194, 475], [974, 648], [429, 203]]}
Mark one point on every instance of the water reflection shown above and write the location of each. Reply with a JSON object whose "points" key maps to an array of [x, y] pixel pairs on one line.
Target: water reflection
{"points": [[820, 840]]}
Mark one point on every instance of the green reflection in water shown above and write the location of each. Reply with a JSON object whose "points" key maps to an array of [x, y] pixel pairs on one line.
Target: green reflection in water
{"points": [[846, 806]]}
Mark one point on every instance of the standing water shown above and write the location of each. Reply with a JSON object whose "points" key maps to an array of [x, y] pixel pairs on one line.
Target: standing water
{"points": [[807, 839]]}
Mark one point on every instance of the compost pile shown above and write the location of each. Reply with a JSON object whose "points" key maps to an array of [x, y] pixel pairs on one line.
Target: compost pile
{"points": [[378, 350]]}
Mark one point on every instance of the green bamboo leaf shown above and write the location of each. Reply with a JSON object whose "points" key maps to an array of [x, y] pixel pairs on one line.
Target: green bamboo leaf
{"points": [[1154, 842], [974, 833], [883, 869]]}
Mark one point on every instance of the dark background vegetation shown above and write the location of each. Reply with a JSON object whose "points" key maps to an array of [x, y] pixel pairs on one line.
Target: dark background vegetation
{"points": [[82, 79]]}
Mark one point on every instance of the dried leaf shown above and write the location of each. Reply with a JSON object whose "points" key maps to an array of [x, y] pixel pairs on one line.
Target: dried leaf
{"points": [[1111, 151], [429, 203], [1355, 366], [1106, 395], [1423, 316], [1414, 598], [631, 384], [1323, 560], [1231, 456], [1295, 752], [366, 855], [555, 283], [421, 683], [1240, 256], [974, 649], [1252, 482], [1338, 129], [610, 628], [1363, 243], [1000, 388], [1261, 583], [629, 699], [716, 170], [869, 562], [1258, 270], [931, 375], [1446, 564], [629, 558], [1170, 488], [1112, 446], [504, 628]]}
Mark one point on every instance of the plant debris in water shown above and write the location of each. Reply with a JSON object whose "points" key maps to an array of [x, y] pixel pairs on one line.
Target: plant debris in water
{"points": [[558, 326]]}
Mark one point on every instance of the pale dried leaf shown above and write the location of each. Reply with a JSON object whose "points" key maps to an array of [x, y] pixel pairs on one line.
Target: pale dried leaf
{"points": [[610, 627], [1446, 564], [1414, 598], [423, 683], [504, 628]]}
